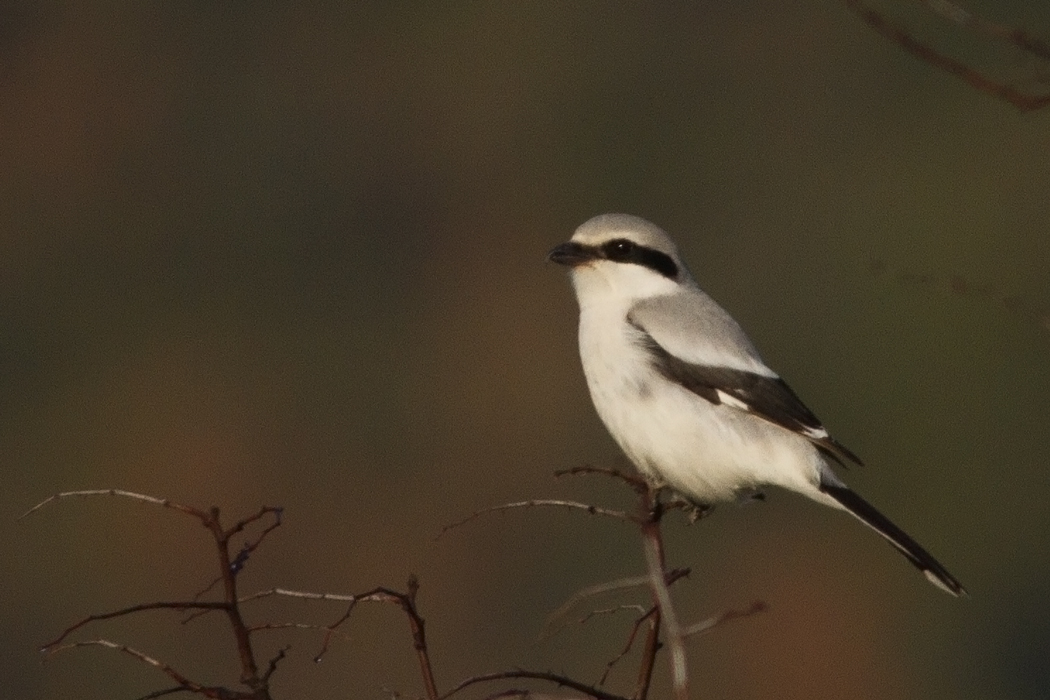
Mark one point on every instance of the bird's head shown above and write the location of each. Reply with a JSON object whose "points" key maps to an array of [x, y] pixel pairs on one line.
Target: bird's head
{"points": [[621, 256]]}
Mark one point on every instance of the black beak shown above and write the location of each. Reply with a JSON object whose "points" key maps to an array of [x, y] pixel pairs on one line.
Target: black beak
{"points": [[572, 254]]}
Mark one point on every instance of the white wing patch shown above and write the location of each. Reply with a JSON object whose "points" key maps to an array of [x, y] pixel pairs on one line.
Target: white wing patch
{"points": [[730, 400], [810, 432], [815, 433]]}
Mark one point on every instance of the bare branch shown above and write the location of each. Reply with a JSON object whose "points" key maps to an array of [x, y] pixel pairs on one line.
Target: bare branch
{"points": [[562, 681], [242, 556], [652, 646], [598, 589], [275, 511], [640, 609], [378, 595], [163, 502], [204, 591], [50, 647], [249, 547], [406, 601], [589, 592], [375, 595], [245, 652], [660, 616], [185, 684], [637, 483], [163, 692], [272, 666], [330, 631], [228, 570], [710, 623], [647, 615], [418, 624], [654, 560], [589, 509]]}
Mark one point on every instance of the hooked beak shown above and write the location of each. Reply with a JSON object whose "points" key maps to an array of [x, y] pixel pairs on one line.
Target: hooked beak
{"points": [[572, 254]]}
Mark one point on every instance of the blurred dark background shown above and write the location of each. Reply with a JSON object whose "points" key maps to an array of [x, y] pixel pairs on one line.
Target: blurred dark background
{"points": [[255, 253]]}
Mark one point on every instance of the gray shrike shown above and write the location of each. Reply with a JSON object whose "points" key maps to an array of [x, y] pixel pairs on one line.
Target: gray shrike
{"points": [[685, 394]]}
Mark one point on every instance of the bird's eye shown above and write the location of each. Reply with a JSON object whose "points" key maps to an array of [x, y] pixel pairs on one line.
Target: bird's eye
{"points": [[620, 249]]}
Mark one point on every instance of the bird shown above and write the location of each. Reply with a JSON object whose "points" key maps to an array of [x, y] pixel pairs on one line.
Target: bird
{"points": [[684, 393]]}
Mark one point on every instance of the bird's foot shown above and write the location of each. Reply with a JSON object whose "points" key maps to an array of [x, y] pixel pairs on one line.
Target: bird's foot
{"points": [[656, 484], [693, 510]]}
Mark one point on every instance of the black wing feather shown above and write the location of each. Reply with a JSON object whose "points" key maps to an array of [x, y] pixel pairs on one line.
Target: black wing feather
{"points": [[767, 397]]}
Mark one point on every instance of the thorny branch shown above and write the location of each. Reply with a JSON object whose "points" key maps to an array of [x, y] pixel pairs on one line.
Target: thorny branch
{"points": [[228, 567], [648, 518], [660, 615]]}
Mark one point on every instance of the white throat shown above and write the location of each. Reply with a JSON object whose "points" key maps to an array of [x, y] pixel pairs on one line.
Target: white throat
{"points": [[609, 283]]}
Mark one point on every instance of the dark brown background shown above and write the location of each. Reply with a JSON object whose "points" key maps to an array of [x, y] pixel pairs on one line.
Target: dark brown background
{"points": [[258, 254]]}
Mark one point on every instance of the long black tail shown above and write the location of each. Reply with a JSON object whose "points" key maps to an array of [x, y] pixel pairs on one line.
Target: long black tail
{"points": [[923, 560]]}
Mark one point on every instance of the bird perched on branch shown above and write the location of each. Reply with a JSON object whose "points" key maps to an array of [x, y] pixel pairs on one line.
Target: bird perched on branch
{"points": [[685, 394]]}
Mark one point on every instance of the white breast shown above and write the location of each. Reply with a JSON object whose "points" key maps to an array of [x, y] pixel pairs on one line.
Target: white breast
{"points": [[706, 452]]}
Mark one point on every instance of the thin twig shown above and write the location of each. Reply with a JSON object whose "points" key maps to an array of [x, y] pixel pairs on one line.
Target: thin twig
{"points": [[559, 680], [646, 615], [598, 589], [272, 666], [276, 626], [331, 629], [648, 665], [637, 483], [163, 502], [376, 594], [530, 694], [640, 609], [240, 525], [164, 691], [710, 623], [184, 682], [50, 647], [589, 592], [204, 591], [242, 556], [249, 547], [557, 503], [406, 601]]}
